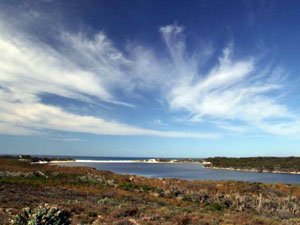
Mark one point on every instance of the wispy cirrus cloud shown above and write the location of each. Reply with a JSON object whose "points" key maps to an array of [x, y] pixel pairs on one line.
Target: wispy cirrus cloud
{"points": [[232, 90], [84, 67], [81, 69]]}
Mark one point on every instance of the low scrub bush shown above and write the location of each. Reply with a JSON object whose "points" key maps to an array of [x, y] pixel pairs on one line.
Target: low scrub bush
{"points": [[42, 215]]}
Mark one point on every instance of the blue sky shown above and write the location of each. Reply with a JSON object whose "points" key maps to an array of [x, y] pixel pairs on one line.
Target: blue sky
{"points": [[150, 78]]}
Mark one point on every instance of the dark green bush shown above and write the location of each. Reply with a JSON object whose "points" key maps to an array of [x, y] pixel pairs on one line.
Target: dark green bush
{"points": [[215, 207], [42, 215]]}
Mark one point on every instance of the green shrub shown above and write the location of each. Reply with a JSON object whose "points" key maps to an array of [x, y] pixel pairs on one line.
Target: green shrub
{"points": [[129, 186], [42, 215], [215, 207]]}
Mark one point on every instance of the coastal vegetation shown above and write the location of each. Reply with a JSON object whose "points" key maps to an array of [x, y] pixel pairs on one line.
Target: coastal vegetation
{"points": [[36, 159], [87, 196], [46, 215], [259, 164]]}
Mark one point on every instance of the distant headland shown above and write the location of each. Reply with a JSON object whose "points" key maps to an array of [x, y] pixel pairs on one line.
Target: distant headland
{"points": [[290, 165]]}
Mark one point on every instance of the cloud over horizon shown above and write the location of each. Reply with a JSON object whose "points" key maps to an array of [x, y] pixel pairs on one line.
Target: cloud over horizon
{"points": [[233, 94]]}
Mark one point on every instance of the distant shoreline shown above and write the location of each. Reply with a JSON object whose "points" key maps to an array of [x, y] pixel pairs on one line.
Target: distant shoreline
{"points": [[204, 164], [253, 170], [117, 161], [277, 165], [273, 165]]}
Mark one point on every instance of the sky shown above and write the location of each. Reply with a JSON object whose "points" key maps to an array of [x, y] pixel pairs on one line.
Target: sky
{"points": [[150, 78]]}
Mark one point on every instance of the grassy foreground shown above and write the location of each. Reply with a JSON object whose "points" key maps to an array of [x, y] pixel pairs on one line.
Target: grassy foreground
{"points": [[99, 197]]}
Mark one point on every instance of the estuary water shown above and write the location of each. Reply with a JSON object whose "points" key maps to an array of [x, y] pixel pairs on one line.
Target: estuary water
{"points": [[187, 171]]}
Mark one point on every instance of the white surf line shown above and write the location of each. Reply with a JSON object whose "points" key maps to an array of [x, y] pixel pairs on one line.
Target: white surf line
{"points": [[111, 161], [107, 161]]}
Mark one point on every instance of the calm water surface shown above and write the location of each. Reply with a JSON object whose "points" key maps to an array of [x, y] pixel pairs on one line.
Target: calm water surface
{"points": [[187, 171]]}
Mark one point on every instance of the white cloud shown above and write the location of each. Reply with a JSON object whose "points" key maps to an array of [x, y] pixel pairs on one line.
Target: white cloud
{"points": [[233, 90], [11, 129], [85, 68], [233, 128], [41, 116]]}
